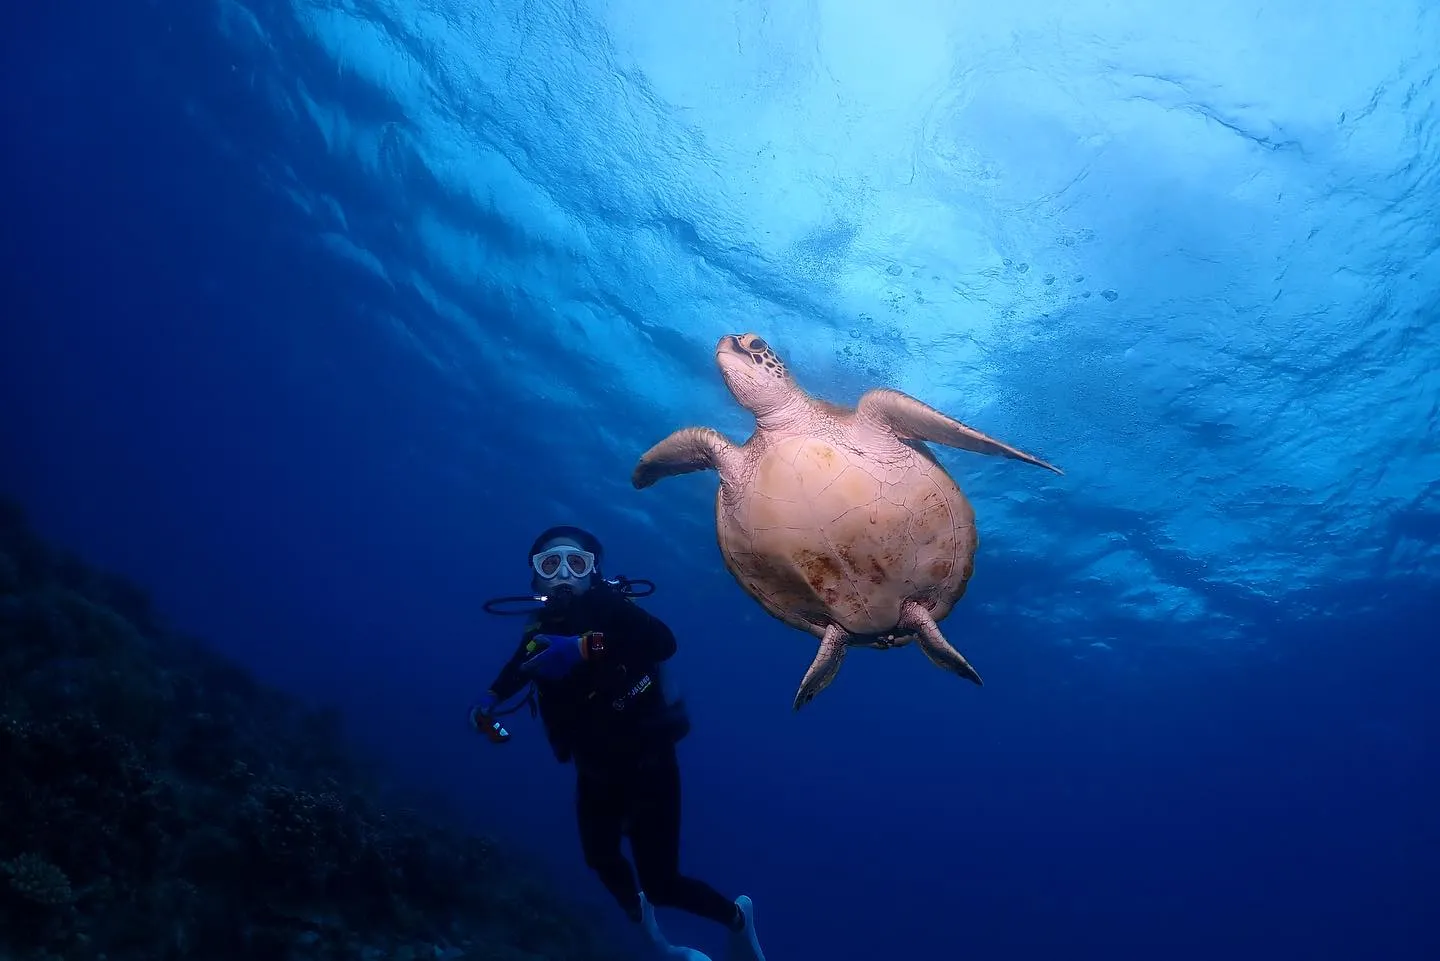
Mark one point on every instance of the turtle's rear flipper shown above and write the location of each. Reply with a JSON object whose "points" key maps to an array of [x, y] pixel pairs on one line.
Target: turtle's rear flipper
{"points": [[933, 643], [825, 666]]}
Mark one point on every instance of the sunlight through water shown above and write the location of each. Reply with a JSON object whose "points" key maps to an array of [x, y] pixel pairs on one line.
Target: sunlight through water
{"points": [[1186, 253]]}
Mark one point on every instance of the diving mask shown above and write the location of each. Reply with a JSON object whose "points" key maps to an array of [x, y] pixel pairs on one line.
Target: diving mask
{"points": [[563, 561]]}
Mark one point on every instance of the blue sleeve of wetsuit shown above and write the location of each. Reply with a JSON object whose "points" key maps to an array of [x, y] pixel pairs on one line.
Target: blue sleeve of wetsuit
{"points": [[559, 655]]}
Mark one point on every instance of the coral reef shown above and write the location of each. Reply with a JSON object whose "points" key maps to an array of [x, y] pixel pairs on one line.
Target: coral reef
{"points": [[158, 803]]}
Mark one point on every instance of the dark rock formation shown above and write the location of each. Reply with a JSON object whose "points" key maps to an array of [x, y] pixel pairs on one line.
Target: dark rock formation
{"points": [[157, 803]]}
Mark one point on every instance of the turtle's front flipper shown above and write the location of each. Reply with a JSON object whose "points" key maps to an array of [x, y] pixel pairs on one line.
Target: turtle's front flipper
{"points": [[933, 643], [907, 417], [685, 451], [825, 666]]}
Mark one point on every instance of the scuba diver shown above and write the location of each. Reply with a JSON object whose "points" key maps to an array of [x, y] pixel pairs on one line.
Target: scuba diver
{"points": [[591, 659]]}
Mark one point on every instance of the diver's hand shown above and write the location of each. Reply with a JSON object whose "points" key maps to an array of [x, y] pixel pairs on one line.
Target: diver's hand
{"points": [[561, 654], [480, 713], [482, 720]]}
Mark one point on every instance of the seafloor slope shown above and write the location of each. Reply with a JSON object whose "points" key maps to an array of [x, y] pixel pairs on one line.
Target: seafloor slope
{"points": [[158, 803]]}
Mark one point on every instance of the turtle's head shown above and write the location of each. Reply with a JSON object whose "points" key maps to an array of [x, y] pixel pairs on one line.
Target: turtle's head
{"points": [[754, 373]]}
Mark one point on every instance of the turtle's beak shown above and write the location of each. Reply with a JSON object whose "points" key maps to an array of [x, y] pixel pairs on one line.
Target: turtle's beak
{"points": [[732, 359], [730, 344]]}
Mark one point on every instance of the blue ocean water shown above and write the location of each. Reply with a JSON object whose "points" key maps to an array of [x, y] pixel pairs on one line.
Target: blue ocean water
{"points": [[314, 314]]}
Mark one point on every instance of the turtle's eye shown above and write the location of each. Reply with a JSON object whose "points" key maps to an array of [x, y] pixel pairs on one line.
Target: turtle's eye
{"points": [[758, 344]]}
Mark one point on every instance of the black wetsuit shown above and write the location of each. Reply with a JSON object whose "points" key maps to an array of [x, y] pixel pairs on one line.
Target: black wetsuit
{"points": [[610, 716]]}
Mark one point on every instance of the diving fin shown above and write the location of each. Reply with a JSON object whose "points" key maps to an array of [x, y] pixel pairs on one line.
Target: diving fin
{"points": [[744, 945], [671, 952]]}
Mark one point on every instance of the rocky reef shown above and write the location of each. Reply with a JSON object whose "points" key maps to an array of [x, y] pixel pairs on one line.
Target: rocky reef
{"points": [[157, 802]]}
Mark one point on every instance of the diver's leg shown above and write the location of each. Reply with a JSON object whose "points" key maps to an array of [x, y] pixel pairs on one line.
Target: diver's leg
{"points": [[599, 812], [655, 841]]}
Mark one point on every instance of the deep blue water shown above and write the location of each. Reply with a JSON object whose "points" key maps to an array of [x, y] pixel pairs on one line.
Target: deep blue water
{"points": [[310, 325]]}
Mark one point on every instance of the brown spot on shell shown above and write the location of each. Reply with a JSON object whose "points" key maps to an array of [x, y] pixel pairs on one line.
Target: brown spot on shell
{"points": [[877, 572], [818, 567], [821, 573]]}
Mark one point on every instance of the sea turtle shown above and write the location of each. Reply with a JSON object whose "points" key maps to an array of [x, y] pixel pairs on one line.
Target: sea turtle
{"points": [[840, 522]]}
